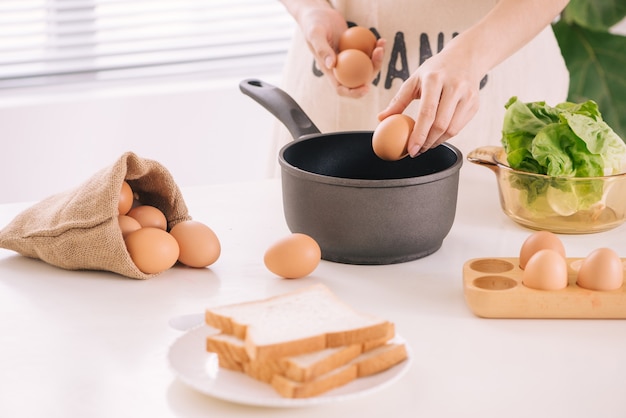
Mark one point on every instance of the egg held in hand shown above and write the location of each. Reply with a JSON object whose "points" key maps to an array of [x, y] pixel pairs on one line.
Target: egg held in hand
{"points": [[391, 136], [546, 270], [358, 37], [199, 245], [354, 68], [293, 257], [602, 269], [153, 250]]}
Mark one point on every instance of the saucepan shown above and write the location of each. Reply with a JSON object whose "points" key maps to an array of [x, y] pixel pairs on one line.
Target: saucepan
{"points": [[359, 208]]}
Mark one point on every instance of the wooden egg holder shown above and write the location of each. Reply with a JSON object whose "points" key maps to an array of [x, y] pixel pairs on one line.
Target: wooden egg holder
{"points": [[493, 289]]}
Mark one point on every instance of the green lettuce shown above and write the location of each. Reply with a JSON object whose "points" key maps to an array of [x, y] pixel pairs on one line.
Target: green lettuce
{"points": [[567, 140]]}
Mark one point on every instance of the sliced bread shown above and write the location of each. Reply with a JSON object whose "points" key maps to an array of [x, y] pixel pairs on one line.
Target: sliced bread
{"points": [[301, 368], [366, 364], [307, 320]]}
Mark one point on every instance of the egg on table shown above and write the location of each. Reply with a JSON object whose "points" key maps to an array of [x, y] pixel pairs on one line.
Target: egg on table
{"points": [[293, 257], [153, 250], [198, 244]]}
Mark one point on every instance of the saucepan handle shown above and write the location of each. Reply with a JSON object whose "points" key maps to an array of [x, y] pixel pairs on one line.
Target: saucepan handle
{"points": [[281, 105]]}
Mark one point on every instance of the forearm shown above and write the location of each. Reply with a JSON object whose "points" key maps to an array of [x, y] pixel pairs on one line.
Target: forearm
{"points": [[297, 8], [504, 30]]}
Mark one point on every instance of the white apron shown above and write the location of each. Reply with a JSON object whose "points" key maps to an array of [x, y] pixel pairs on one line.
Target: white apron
{"points": [[414, 30]]}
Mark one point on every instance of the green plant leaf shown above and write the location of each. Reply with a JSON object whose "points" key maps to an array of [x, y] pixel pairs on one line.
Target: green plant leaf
{"points": [[597, 63], [597, 15]]}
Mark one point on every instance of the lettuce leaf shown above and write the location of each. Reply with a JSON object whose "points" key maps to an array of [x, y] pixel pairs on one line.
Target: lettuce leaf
{"points": [[563, 141], [567, 140]]}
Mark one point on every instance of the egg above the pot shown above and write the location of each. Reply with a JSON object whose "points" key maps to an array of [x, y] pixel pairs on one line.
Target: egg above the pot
{"points": [[602, 269], [390, 138], [293, 257]]}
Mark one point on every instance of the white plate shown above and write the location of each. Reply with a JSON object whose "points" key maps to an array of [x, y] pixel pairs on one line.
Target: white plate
{"points": [[198, 369]]}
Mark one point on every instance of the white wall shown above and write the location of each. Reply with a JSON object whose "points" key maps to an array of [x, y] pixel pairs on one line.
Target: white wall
{"points": [[203, 131]]}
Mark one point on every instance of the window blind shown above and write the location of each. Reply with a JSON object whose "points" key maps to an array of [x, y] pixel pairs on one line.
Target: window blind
{"points": [[46, 42]]}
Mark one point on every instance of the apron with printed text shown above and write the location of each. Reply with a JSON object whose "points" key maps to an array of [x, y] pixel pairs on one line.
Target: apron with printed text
{"points": [[415, 30]]}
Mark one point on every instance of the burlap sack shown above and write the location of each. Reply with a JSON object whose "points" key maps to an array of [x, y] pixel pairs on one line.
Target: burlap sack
{"points": [[78, 229]]}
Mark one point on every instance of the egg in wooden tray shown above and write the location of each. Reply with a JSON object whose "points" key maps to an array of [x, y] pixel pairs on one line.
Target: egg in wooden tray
{"points": [[548, 284]]}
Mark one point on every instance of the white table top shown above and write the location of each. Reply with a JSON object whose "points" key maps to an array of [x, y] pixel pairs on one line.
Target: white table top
{"points": [[94, 344]]}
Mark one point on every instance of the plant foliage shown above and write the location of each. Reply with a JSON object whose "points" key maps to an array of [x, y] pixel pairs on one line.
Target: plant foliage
{"points": [[595, 57]]}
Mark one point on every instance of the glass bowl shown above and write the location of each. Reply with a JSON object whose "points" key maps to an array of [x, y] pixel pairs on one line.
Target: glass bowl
{"points": [[566, 205]]}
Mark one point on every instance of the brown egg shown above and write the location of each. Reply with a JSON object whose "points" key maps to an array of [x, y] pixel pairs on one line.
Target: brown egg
{"points": [[128, 224], [602, 269], [294, 256], [353, 68], [545, 270], [358, 37], [199, 246], [148, 216], [153, 250], [125, 201], [391, 136], [537, 241]]}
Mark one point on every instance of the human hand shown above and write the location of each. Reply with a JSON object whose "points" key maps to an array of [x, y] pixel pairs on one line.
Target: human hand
{"points": [[448, 94], [322, 27]]}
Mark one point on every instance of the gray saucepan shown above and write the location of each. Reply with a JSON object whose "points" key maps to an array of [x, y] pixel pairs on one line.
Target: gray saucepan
{"points": [[359, 208]]}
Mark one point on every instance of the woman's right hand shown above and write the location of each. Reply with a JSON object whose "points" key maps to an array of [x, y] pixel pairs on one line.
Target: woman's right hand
{"points": [[322, 26]]}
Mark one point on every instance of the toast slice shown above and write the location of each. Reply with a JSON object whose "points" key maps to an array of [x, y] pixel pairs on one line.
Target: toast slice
{"points": [[366, 364], [304, 321], [301, 368]]}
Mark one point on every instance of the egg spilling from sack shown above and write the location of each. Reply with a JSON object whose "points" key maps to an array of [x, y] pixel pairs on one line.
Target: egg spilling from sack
{"points": [[293, 257], [602, 269], [199, 246], [391, 136], [149, 216], [539, 240], [128, 225], [153, 250], [546, 270], [126, 198]]}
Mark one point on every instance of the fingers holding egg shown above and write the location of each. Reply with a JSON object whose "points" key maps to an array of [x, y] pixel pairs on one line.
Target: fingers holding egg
{"points": [[390, 138], [354, 67], [358, 37]]}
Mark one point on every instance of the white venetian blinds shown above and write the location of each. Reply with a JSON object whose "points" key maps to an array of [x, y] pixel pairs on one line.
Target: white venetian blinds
{"points": [[45, 42]]}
